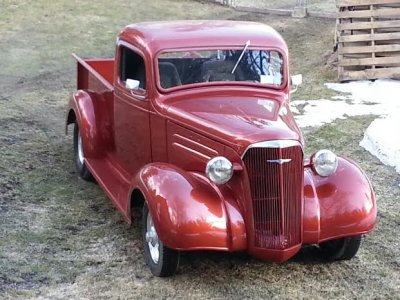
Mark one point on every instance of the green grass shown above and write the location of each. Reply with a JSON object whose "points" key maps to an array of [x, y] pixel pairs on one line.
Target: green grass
{"points": [[60, 237], [342, 136]]}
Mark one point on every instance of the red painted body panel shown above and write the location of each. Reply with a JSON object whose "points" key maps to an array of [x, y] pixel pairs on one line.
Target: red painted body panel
{"points": [[157, 36], [236, 117], [188, 212], [339, 205], [93, 116], [159, 144], [132, 131]]}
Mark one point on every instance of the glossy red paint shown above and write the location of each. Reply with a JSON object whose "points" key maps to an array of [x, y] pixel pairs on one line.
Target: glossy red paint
{"points": [[189, 212], [159, 36], [339, 204], [159, 143]]}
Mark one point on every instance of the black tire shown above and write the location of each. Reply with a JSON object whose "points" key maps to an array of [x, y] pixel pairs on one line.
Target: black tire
{"points": [[81, 168], [341, 249], [168, 259]]}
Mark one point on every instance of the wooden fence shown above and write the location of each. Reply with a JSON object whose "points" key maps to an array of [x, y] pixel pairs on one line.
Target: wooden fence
{"points": [[368, 39], [299, 8]]}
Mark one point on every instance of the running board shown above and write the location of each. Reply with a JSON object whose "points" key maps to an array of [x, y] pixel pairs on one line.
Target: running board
{"points": [[113, 182]]}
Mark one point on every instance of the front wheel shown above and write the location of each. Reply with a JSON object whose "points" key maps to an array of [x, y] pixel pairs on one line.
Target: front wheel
{"points": [[79, 158], [161, 260], [341, 249]]}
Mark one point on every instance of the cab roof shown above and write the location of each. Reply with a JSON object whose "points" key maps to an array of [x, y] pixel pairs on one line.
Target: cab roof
{"points": [[156, 36]]}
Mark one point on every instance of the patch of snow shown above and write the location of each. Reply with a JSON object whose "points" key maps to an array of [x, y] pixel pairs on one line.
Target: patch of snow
{"points": [[379, 91], [379, 140], [341, 97], [381, 98], [317, 113]]}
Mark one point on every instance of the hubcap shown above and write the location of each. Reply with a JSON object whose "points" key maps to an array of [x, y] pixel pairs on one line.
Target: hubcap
{"points": [[152, 239], [80, 149]]}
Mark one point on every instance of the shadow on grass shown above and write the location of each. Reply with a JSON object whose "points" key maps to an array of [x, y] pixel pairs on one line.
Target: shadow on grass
{"points": [[308, 255]]}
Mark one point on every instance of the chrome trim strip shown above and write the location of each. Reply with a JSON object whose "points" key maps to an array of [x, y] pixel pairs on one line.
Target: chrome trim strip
{"points": [[192, 151], [192, 143], [274, 144], [279, 161]]}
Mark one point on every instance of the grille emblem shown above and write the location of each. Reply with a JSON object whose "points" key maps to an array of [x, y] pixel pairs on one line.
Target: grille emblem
{"points": [[279, 161]]}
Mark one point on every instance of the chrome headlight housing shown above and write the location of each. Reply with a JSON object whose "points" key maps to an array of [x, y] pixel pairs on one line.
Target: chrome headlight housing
{"points": [[219, 170], [324, 162]]}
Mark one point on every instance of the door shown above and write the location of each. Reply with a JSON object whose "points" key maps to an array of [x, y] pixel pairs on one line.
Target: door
{"points": [[131, 112]]}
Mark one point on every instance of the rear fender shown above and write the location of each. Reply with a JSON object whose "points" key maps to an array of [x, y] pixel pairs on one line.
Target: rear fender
{"points": [[93, 125], [339, 205], [189, 213]]}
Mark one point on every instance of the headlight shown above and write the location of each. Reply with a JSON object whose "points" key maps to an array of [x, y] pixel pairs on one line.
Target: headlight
{"points": [[219, 170], [324, 162]]}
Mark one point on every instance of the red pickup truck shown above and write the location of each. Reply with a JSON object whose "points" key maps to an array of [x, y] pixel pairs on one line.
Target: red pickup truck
{"points": [[191, 121]]}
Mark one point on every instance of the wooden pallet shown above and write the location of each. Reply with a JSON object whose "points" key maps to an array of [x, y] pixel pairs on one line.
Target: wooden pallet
{"points": [[368, 35]]}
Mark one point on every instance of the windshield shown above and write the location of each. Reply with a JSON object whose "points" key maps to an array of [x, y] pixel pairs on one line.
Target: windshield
{"points": [[198, 66]]}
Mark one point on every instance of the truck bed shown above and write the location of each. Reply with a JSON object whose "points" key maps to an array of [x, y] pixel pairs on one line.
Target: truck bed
{"points": [[95, 74]]}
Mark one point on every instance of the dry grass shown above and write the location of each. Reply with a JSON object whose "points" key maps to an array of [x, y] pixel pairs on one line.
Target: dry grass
{"points": [[61, 238], [312, 5]]}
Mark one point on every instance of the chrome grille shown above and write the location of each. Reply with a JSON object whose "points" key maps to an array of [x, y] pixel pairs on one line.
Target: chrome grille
{"points": [[276, 189]]}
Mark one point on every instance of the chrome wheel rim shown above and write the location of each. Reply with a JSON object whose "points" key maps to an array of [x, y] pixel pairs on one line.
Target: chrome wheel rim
{"points": [[152, 239], [80, 150]]}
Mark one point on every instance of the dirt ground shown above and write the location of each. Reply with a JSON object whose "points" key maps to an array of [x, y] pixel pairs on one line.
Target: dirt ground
{"points": [[60, 237]]}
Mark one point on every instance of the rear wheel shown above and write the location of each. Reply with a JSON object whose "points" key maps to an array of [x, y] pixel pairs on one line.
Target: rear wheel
{"points": [[341, 249], [161, 260], [79, 158]]}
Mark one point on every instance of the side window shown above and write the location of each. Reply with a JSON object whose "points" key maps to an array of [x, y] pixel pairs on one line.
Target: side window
{"points": [[132, 67]]}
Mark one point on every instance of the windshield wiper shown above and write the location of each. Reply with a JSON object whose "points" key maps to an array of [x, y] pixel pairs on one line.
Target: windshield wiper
{"points": [[241, 56]]}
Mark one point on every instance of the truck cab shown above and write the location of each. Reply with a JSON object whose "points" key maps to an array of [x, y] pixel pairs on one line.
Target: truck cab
{"points": [[192, 120]]}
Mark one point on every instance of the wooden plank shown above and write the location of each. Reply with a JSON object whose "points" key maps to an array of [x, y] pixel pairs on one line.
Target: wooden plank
{"points": [[388, 5], [391, 42], [383, 12], [358, 32], [358, 44], [321, 14], [280, 12], [345, 3], [370, 37], [370, 74], [370, 49], [371, 7], [369, 25], [377, 24], [370, 61], [387, 30], [387, 54], [346, 56], [340, 56]]}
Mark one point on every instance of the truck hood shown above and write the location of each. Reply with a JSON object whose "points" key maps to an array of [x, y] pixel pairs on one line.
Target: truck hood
{"points": [[237, 120]]}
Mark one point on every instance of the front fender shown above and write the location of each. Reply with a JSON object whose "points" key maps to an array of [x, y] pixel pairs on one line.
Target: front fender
{"points": [[188, 212], [94, 125], [339, 205]]}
